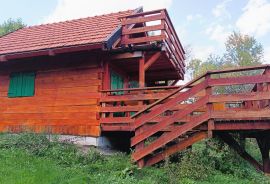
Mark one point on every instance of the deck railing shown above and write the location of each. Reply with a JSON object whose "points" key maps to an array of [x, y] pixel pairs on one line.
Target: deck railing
{"points": [[117, 106], [125, 106], [153, 27]]}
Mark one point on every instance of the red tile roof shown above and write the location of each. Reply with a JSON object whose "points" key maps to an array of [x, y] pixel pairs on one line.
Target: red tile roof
{"points": [[91, 30]]}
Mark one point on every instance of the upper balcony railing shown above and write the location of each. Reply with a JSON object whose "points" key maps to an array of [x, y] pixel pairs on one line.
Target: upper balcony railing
{"points": [[153, 27]]}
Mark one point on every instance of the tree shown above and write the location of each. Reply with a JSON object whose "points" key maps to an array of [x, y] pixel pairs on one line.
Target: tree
{"points": [[198, 67], [11, 25], [243, 50]]}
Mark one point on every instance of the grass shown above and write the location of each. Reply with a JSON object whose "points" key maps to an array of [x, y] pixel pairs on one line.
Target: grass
{"points": [[29, 158]]}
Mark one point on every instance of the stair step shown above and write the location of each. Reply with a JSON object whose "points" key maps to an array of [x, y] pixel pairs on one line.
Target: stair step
{"points": [[175, 148], [169, 137]]}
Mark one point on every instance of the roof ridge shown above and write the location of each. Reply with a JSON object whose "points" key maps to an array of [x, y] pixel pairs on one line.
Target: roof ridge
{"points": [[71, 20]]}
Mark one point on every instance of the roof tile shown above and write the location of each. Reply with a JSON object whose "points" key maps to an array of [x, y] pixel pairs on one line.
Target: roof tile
{"points": [[89, 30]]}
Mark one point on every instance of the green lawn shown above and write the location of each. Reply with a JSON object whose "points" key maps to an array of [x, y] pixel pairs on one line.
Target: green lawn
{"points": [[32, 159], [18, 167]]}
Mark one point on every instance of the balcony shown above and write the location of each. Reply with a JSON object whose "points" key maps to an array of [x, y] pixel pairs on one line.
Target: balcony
{"points": [[153, 30]]}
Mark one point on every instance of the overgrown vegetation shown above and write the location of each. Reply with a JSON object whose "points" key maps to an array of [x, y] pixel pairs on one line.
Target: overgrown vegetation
{"points": [[30, 158]]}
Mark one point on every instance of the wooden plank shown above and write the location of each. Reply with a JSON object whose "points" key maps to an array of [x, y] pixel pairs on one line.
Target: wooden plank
{"points": [[239, 80], [126, 31], [178, 115], [46, 109], [108, 128], [54, 129], [169, 104], [135, 108], [49, 122], [143, 89], [245, 125], [152, 60], [127, 55], [241, 114], [240, 97], [132, 97], [143, 39], [143, 13], [50, 115], [158, 143], [183, 144], [116, 120], [48, 101], [142, 19]]}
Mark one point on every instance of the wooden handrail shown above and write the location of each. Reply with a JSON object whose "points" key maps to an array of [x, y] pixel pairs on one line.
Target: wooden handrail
{"points": [[229, 70], [140, 89]]}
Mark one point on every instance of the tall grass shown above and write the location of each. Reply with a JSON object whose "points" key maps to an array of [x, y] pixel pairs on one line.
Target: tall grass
{"points": [[31, 158]]}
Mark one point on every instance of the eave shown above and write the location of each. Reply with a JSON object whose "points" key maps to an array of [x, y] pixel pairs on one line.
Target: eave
{"points": [[50, 52]]}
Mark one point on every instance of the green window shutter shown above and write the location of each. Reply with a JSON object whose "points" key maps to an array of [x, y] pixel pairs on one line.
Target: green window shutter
{"points": [[28, 84], [21, 84], [14, 89]]}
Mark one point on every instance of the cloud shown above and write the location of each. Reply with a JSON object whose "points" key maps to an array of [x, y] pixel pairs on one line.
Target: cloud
{"points": [[218, 33], [267, 55], [72, 9], [194, 17], [221, 10], [202, 52], [255, 19]]}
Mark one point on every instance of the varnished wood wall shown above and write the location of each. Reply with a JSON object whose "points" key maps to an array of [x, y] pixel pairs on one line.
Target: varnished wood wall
{"points": [[66, 96]]}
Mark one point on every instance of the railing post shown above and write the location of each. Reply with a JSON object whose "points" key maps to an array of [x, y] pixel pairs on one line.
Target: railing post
{"points": [[267, 73], [123, 37], [209, 107], [139, 130]]}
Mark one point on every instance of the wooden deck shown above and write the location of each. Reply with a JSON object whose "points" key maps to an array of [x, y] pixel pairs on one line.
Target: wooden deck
{"points": [[173, 118], [154, 28]]}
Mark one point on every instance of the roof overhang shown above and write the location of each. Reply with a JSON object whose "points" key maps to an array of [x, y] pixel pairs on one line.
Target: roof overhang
{"points": [[50, 52]]}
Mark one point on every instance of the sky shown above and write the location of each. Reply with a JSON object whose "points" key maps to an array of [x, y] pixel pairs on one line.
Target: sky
{"points": [[202, 25]]}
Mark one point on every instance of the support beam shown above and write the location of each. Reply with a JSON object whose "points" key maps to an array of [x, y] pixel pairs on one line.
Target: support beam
{"points": [[227, 138], [152, 60], [127, 55], [141, 73], [263, 141]]}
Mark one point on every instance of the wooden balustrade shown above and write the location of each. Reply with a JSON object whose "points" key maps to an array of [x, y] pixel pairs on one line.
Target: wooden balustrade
{"points": [[117, 106], [122, 108], [154, 27]]}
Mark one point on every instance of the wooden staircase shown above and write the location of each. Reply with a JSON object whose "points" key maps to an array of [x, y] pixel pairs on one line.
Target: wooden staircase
{"points": [[178, 129]]}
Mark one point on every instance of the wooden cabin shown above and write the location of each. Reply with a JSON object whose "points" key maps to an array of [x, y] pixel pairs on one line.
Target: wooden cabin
{"points": [[114, 76], [64, 78]]}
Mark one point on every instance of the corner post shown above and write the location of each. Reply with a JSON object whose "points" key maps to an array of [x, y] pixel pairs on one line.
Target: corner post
{"points": [[209, 107]]}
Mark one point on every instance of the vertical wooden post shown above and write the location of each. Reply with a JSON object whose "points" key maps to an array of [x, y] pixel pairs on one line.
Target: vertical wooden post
{"points": [[264, 145], [141, 73], [267, 72], [106, 81], [211, 123], [140, 146], [124, 38]]}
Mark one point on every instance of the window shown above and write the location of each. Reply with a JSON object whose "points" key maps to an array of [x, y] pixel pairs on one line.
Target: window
{"points": [[21, 84]]}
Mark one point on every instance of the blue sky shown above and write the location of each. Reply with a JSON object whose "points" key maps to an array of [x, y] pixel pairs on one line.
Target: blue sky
{"points": [[203, 25]]}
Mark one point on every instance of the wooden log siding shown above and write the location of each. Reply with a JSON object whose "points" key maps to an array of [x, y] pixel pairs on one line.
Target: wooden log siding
{"points": [[66, 101]]}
